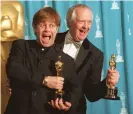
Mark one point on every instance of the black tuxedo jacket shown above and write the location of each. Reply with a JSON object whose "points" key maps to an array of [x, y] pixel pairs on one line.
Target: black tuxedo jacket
{"points": [[27, 65], [88, 67]]}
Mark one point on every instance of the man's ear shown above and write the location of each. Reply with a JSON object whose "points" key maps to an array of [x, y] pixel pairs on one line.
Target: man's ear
{"points": [[69, 24]]}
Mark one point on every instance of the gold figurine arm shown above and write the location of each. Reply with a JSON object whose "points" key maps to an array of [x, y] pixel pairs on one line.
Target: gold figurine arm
{"points": [[12, 20]]}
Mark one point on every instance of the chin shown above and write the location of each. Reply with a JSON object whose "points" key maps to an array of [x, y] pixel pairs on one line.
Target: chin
{"points": [[46, 45], [80, 39]]}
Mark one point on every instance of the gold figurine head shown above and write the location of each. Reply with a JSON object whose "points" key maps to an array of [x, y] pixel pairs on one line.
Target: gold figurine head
{"points": [[12, 21]]}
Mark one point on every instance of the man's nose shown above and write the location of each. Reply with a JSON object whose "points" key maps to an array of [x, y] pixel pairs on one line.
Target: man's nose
{"points": [[85, 25], [47, 28]]}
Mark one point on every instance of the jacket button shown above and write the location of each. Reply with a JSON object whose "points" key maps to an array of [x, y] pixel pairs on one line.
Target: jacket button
{"points": [[41, 61], [33, 93]]}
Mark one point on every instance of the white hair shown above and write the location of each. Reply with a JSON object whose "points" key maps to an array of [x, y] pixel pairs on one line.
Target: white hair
{"points": [[71, 14]]}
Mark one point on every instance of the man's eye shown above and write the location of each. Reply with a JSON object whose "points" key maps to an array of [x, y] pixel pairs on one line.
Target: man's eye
{"points": [[52, 25], [81, 22], [89, 22], [41, 25]]}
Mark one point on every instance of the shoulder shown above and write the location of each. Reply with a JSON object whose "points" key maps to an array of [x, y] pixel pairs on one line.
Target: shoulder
{"points": [[22, 43], [88, 45], [60, 37], [61, 33], [18, 45], [18, 42], [96, 53]]}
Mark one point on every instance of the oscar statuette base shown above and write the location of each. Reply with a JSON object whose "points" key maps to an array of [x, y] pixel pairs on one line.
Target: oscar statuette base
{"points": [[59, 94], [112, 94]]}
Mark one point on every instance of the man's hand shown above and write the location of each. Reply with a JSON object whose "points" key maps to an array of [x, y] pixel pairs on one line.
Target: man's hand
{"points": [[9, 90], [60, 105], [112, 77], [54, 82]]}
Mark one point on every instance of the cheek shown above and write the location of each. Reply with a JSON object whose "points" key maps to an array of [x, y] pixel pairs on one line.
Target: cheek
{"points": [[37, 32], [54, 32], [79, 26], [75, 28]]}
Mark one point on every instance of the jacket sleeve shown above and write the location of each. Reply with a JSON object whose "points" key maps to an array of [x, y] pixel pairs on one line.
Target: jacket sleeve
{"points": [[94, 88], [19, 74]]}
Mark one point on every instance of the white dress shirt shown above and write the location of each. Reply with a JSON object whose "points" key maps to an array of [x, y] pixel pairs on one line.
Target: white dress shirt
{"points": [[71, 47]]}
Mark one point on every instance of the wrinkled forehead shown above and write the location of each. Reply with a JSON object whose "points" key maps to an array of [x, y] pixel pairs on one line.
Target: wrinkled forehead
{"points": [[83, 10], [83, 13]]}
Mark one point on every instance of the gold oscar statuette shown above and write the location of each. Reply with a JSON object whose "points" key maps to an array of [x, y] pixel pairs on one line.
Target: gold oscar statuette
{"points": [[59, 67], [111, 89], [11, 28]]}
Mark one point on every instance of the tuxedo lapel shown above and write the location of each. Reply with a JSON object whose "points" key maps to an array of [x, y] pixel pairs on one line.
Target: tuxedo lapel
{"points": [[82, 56]]}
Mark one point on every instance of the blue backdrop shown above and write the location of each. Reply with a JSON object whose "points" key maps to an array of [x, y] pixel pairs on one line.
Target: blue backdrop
{"points": [[112, 32]]}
